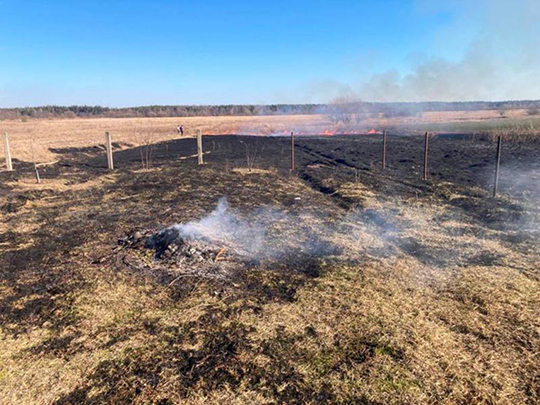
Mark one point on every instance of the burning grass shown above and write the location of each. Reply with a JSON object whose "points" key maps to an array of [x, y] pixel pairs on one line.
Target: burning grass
{"points": [[349, 296], [45, 139]]}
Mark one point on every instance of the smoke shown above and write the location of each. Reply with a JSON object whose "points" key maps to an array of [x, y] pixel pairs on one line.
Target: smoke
{"points": [[501, 62], [265, 233], [279, 236], [432, 241], [224, 226], [523, 185]]}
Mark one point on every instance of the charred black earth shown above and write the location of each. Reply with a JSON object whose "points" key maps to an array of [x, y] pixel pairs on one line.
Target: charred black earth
{"points": [[166, 253], [369, 286]]}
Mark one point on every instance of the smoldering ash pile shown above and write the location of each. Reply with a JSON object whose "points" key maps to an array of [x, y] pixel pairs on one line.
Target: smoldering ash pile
{"points": [[210, 247], [224, 242]]}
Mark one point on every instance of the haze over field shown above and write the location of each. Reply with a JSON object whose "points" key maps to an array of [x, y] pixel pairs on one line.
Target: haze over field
{"points": [[134, 53]]}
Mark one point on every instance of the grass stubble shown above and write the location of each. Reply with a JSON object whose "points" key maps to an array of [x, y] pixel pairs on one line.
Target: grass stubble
{"points": [[424, 304]]}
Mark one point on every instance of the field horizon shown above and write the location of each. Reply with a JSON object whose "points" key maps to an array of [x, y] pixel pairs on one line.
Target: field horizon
{"points": [[38, 138]]}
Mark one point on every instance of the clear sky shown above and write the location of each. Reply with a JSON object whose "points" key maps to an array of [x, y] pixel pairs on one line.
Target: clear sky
{"points": [[126, 53]]}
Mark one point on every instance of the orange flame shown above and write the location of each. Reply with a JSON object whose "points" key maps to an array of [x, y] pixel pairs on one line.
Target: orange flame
{"points": [[326, 132]]}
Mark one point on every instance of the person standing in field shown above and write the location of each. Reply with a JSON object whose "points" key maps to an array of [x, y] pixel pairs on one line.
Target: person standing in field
{"points": [[180, 129]]}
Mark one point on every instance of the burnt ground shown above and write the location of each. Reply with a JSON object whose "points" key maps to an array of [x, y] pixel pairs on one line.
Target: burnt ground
{"points": [[461, 171], [443, 274]]}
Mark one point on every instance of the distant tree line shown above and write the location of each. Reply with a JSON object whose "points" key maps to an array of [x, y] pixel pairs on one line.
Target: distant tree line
{"points": [[387, 109], [156, 111]]}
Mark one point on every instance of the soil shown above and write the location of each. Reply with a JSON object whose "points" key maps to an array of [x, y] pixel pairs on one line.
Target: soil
{"points": [[461, 172], [60, 244], [460, 175]]}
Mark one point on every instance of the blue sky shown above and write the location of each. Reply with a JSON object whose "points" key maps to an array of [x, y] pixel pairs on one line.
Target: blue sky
{"points": [[125, 53]]}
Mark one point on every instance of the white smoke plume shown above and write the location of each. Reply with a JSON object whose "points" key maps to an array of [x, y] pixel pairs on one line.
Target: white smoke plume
{"points": [[263, 234], [224, 226], [501, 63], [439, 237]]}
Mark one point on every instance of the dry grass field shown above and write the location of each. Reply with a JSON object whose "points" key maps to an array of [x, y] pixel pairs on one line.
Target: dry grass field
{"points": [[39, 138], [50, 135], [367, 287]]}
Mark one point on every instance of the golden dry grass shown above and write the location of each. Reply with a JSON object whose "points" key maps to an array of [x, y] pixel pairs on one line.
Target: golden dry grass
{"points": [[384, 325], [393, 329]]}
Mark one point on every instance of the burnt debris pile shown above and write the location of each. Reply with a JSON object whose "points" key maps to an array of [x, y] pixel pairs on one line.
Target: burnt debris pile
{"points": [[168, 243], [225, 243], [166, 251]]}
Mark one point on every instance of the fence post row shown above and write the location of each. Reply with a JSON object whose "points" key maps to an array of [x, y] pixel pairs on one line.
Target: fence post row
{"points": [[200, 148], [108, 146], [9, 165], [497, 166], [110, 162]]}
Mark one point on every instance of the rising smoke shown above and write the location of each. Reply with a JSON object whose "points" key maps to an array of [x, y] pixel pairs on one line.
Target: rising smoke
{"points": [[224, 226], [500, 64], [264, 234], [271, 234], [440, 237]]}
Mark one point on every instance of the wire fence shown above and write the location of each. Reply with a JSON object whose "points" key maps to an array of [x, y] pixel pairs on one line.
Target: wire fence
{"points": [[31, 150]]}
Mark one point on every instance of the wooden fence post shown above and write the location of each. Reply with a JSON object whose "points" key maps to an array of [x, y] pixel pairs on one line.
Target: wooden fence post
{"points": [[9, 165], [426, 154], [383, 164], [38, 179], [497, 166], [200, 147], [292, 152], [108, 145]]}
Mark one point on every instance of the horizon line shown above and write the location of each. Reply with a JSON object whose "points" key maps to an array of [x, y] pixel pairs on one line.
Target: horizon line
{"points": [[271, 104]]}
